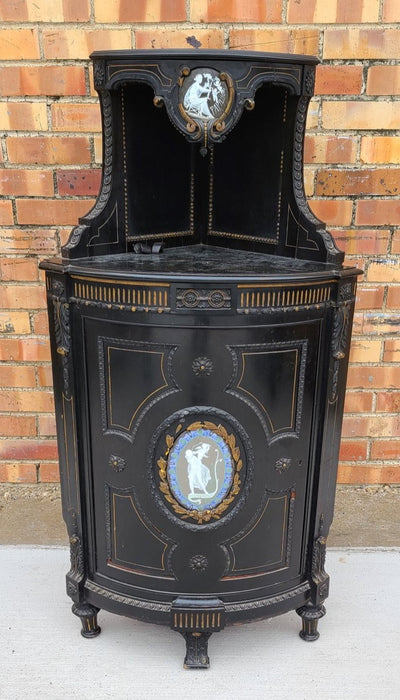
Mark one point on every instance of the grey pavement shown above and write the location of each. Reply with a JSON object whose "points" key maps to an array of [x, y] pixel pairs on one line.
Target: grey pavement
{"points": [[42, 654]]}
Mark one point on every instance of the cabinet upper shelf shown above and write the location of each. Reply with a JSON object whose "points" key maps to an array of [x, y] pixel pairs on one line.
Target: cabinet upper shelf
{"points": [[203, 147]]}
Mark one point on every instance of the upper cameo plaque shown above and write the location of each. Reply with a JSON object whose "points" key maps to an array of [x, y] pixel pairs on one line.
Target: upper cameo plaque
{"points": [[205, 99], [199, 471]]}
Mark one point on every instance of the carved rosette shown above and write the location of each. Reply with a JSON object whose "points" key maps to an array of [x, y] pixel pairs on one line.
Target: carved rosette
{"points": [[282, 464], [116, 463], [198, 563], [199, 472], [202, 366], [203, 298]]}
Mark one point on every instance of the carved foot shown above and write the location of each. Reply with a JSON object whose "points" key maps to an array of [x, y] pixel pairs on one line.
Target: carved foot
{"points": [[310, 615], [196, 649], [88, 616]]}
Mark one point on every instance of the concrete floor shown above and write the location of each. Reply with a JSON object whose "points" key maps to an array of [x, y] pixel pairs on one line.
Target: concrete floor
{"points": [[364, 516], [42, 654]]}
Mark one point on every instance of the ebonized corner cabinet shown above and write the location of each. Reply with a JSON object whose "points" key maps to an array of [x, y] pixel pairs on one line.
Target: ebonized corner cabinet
{"points": [[200, 326]]}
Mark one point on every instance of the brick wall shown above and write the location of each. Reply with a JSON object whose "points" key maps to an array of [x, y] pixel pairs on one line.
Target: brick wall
{"points": [[49, 175]]}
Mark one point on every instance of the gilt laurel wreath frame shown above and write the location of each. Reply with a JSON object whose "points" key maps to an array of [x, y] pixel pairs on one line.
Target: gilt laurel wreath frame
{"points": [[214, 513]]}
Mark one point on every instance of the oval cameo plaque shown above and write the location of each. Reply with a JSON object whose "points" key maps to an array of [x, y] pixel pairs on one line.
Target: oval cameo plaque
{"points": [[204, 95], [199, 472]]}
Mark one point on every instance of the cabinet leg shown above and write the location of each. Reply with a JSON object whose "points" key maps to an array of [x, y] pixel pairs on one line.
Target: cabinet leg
{"points": [[88, 616], [196, 649], [310, 615]]}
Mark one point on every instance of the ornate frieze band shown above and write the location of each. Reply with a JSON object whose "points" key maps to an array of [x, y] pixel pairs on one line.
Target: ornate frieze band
{"points": [[256, 297], [130, 296]]}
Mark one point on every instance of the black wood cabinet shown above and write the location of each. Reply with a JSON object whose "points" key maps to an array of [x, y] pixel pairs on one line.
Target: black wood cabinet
{"points": [[200, 325]]}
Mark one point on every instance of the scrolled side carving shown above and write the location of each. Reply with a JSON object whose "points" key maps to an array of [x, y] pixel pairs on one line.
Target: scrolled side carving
{"points": [[76, 574], [62, 331]]}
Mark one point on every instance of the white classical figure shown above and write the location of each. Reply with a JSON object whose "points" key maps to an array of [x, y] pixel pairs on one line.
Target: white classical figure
{"points": [[196, 100], [198, 473]]}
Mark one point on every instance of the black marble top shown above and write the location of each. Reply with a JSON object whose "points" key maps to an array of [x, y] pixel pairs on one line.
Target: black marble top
{"points": [[200, 261]]}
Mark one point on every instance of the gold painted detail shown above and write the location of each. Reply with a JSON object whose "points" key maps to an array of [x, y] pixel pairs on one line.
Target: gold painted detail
{"points": [[128, 295], [201, 516], [291, 296], [197, 620]]}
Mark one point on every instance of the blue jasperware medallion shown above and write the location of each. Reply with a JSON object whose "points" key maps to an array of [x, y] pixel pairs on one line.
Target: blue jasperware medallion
{"points": [[199, 472]]}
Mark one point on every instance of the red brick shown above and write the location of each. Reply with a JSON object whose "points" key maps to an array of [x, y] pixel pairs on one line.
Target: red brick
{"points": [[332, 212], [369, 474], [338, 80], [179, 38], [361, 42], [40, 323], [58, 150], [382, 181], [78, 182], [18, 296], [379, 212], [390, 12], [396, 242], [6, 213], [18, 473], [26, 182], [52, 211], [380, 324], [380, 149], [358, 402], [17, 426], [47, 425], [42, 80], [373, 377], [369, 297], [27, 401], [358, 319], [371, 426], [383, 80], [41, 241], [28, 449], [19, 44], [353, 451], [236, 11], [363, 241], [45, 376], [385, 449], [44, 11], [17, 376], [365, 350], [393, 298], [49, 472], [14, 322], [330, 149], [78, 42], [391, 351], [23, 116], [140, 11], [352, 114], [389, 402], [75, 117], [280, 40], [309, 177], [18, 269], [26, 350], [334, 11], [384, 270]]}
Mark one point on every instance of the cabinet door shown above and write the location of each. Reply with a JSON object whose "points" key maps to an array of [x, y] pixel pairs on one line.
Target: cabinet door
{"points": [[199, 453]]}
